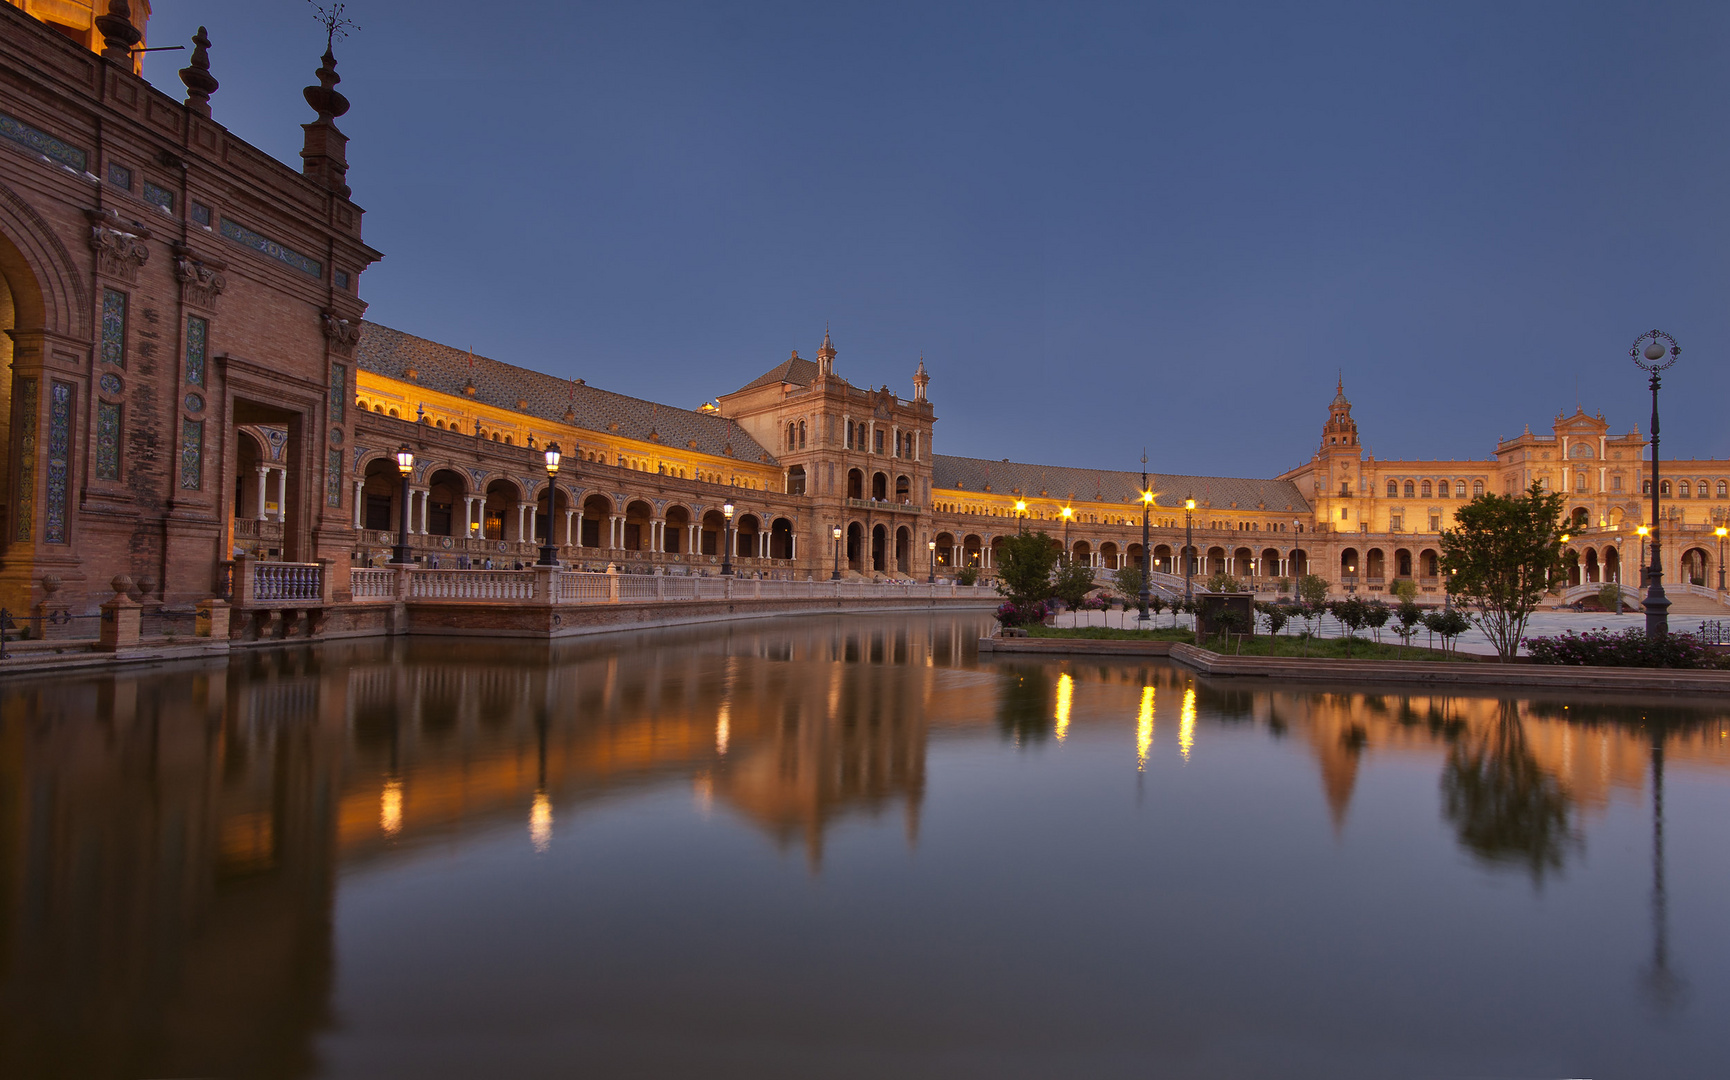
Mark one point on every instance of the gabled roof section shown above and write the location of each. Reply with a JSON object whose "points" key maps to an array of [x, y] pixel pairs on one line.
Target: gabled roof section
{"points": [[1105, 485], [390, 353], [795, 369]]}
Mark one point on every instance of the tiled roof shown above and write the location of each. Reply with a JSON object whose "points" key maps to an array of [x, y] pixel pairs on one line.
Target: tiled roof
{"points": [[1105, 485], [390, 353], [795, 369]]}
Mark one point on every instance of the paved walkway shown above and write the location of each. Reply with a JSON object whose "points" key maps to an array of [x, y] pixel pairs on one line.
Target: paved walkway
{"points": [[1542, 624]]}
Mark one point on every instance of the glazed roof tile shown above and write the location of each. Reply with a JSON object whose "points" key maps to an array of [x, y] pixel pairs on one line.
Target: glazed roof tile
{"points": [[795, 369], [1106, 485], [390, 353]]}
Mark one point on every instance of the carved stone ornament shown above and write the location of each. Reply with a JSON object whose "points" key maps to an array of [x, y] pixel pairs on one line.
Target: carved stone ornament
{"points": [[201, 282], [341, 333], [119, 245]]}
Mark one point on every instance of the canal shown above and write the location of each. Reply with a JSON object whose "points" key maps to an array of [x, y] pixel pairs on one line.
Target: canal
{"points": [[847, 847]]}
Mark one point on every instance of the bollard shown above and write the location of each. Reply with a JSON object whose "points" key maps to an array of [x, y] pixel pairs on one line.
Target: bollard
{"points": [[120, 617], [212, 619]]}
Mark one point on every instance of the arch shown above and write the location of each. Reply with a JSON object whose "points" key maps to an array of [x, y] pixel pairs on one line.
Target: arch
{"points": [[1082, 552], [1612, 565], [597, 511], [1592, 568], [639, 528], [781, 539], [1393, 489], [879, 546], [1429, 563], [1402, 562], [792, 436], [880, 486], [1242, 563], [711, 533], [1349, 564], [1425, 488], [796, 480], [801, 434], [945, 549], [971, 546], [1477, 488], [746, 530], [855, 484], [48, 292], [1270, 563], [1375, 564], [446, 489], [381, 488], [1663, 487], [1571, 563], [856, 547], [676, 529], [500, 518], [1214, 562], [1298, 562], [996, 551], [1411, 491], [1162, 557], [1696, 563], [903, 489], [1108, 556], [1580, 517], [904, 550]]}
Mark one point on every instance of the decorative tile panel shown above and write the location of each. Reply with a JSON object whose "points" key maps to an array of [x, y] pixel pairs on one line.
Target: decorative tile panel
{"points": [[197, 338], [201, 214], [59, 462], [107, 440], [240, 234], [338, 392], [191, 455], [43, 143], [114, 327], [119, 175], [111, 383], [193, 403], [159, 196], [24, 511], [333, 480]]}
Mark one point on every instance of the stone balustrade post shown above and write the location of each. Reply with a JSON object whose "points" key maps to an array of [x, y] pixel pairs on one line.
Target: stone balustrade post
{"points": [[660, 586], [326, 581], [120, 618], [546, 584], [212, 619], [403, 572], [244, 584], [612, 583]]}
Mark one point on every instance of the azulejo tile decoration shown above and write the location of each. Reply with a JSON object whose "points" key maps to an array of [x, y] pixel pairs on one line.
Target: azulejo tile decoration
{"points": [[197, 334], [119, 175], [59, 461], [159, 196], [43, 143], [114, 327], [333, 479], [107, 440], [111, 383], [338, 391], [240, 234], [194, 403], [24, 514], [191, 455]]}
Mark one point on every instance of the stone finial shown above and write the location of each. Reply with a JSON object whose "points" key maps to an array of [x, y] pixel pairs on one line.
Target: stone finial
{"points": [[118, 34], [324, 98], [325, 155], [825, 356], [920, 381], [200, 84]]}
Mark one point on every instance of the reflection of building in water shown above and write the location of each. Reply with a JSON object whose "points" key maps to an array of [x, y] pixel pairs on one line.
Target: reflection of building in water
{"points": [[165, 873]]}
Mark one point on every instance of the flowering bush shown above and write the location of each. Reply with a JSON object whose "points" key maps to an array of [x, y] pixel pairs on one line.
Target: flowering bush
{"points": [[1630, 648], [1025, 615]]}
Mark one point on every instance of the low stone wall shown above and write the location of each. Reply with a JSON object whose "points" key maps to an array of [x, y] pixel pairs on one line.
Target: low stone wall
{"points": [[1297, 669], [573, 620]]}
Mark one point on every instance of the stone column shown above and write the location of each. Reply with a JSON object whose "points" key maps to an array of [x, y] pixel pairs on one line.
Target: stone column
{"points": [[425, 511], [263, 483], [570, 537], [359, 499], [282, 494]]}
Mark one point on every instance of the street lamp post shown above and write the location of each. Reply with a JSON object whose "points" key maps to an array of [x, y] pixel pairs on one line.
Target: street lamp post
{"points": [[1659, 352], [1020, 511], [1566, 538], [1721, 532], [1644, 532], [1141, 620], [550, 550], [1067, 514], [836, 533], [1188, 545], [931, 562], [404, 465], [727, 536]]}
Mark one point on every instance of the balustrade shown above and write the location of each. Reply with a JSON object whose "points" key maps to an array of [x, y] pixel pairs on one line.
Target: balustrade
{"points": [[278, 581]]}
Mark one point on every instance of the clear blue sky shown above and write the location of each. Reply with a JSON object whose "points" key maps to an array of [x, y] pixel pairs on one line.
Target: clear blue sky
{"points": [[1102, 225]]}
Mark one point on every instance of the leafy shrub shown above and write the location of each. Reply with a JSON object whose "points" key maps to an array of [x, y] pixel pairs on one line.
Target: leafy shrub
{"points": [[1012, 614], [1628, 648], [1223, 582], [967, 575]]}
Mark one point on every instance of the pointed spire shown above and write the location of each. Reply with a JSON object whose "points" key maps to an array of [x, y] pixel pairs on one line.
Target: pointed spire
{"points": [[920, 381], [826, 355], [325, 154], [200, 84]]}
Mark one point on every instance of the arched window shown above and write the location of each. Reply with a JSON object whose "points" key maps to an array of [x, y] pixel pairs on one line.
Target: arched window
{"points": [[1580, 482], [1663, 487], [791, 430], [801, 434], [1645, 487], [1685, 489], [1426, 489], [1723, 490], [1410, 490], [1700, 488], [1460, 488], [1393, 488]]}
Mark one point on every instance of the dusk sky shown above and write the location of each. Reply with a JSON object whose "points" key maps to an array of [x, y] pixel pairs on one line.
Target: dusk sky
{"points": [[1102, 225]]}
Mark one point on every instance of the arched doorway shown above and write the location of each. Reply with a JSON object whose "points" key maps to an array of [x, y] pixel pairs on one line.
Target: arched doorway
{"points": [[445, 491], [903, 489], [1571, 563], [904, 550], [879, 546], [1349, 565], [381, 489], [880, 486], [674, 532], [1215, 562], [1429, 563], [1163, 560], [1108, 555], [1612, 565], [1376, 565], [502, 517], [971, 550], [1270, 567], [1081, 553], [780, 539], [1241, 567], [713, 533], [1299, 562], [1402, 563], [1695, 563], [639, 526], [945, 549], [855, 484], [746, 533], [856, 547]]}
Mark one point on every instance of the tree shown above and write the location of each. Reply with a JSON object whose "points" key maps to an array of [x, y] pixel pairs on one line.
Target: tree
{"points": [[1156, 603], [1275, 615], [1352, 614], [1501, 557], [967, 575], [1609, 595], [1405, 589], [1376, 616], [1223, 582], [1024, 568], [1411, 617], [1449, 624], [1128, 582], [1312, 589], [1072, 583]]}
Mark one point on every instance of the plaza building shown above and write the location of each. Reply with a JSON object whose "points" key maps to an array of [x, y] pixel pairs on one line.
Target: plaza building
{"points": [[191, 381]]}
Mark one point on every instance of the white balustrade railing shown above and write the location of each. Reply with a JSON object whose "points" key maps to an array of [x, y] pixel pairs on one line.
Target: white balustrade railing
{"points": [[471, 585], [370, 584], [278, 581], [583, 588]]}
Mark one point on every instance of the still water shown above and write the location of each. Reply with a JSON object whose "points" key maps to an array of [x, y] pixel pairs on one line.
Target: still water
{"points": [[847, 847]]}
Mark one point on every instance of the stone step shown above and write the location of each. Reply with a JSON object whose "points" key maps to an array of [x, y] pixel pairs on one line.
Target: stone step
{"points": [[1682, 603]]}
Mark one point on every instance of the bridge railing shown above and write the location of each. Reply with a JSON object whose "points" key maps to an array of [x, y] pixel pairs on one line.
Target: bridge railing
{"points": [[586, 587]]}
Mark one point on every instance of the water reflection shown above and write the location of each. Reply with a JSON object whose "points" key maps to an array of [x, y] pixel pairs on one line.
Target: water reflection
{"points": [[172, 843]]}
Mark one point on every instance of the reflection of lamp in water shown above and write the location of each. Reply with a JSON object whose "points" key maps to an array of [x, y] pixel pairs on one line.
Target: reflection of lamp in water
{"points": [[723, 727], [1065, 690], [541, 821], [1144, 729], [1664, 985], [390, 808], [1186, 724]]}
